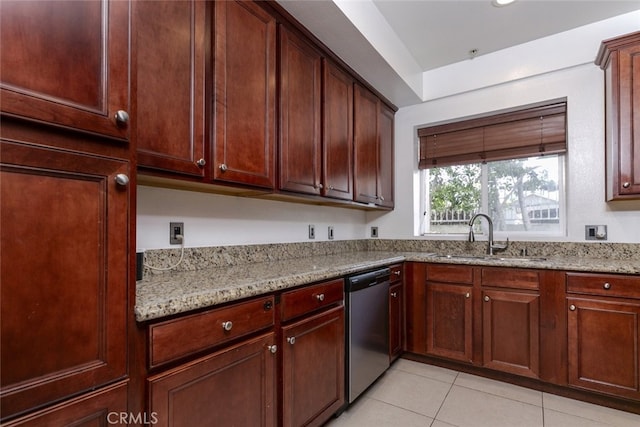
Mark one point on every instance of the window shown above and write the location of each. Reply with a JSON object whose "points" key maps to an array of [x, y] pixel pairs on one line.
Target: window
{"points": [[524, 195], [508, 164]]}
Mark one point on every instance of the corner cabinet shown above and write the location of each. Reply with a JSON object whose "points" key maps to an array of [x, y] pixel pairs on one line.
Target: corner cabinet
{"points": [[373, 149], [604, 333], [49, 76], [396, 312], [244, 94], [620, 60]]}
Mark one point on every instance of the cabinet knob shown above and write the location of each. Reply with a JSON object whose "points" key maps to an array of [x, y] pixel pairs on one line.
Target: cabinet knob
{"points": [[272, 348], [382, 198], [122, 117], [467, 295], [227, 325], [291, 340], [223, 167], [320, 297], [331, 187], [626, 185], [319, 186], [572, 307], [394, 294], [607, 285], [397, 272], [486, 298], [201, 162], [122, 179]]}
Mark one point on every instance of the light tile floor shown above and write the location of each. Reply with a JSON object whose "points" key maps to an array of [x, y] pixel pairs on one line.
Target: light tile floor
{"points": [[415, 394]]}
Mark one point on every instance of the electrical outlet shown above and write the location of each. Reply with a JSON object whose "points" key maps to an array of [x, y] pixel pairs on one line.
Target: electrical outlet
{"points": [[595, 232], [330, 233], [176, 229], [374, 231], [312, 231]]}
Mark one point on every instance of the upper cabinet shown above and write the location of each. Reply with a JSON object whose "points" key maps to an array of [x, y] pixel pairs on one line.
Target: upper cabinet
{"points": [[337, 137], [66, 63], [238, 95], [169, 85], [300, 115], [373, 149], [245, 94], [620, 60]]}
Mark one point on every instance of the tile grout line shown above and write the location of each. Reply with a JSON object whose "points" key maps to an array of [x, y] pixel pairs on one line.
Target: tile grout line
{"points": [[435, 417]]}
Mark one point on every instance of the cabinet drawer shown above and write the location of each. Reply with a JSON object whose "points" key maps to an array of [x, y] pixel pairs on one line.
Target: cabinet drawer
{"points": [[311, 298], [449, 273], [181, 337], [396, 273], [604, 284], [510, 278]]}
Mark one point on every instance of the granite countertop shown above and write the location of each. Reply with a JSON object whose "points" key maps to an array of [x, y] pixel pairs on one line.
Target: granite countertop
{"points": [[167, 294]]}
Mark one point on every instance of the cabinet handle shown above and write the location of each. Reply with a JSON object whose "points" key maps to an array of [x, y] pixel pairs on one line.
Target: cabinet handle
{"points": [[273, 348], [467, 295], [394, 294], [291, 340], [227, 325], [122, 179], [626, 185], [486, 298], [607, 285], [331, 187], [201, 163], [320, 297], [122, 117], [572, 307], [223, 167]]}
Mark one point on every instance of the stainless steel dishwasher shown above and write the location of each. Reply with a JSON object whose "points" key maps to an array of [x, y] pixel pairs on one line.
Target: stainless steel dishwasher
{"points": [[367, 336]]}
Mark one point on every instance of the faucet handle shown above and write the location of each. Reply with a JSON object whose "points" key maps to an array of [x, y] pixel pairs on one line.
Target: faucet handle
{"points": [[495, 247]]}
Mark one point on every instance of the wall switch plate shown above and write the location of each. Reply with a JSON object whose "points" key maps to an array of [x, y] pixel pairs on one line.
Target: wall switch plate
{"points": [[176, 229], [374, 231], [312, 231], [595, 232], [330, 233]]}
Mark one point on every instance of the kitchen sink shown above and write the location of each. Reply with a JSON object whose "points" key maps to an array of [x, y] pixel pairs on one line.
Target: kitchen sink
{"points": [[492, 257]]}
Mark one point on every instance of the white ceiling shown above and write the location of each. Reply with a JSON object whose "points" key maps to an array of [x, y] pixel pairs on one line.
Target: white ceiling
{"points": [[425, 35]]}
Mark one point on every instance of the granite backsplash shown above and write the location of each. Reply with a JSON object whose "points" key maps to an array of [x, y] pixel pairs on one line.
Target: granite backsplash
{"points": [[220, 256]]}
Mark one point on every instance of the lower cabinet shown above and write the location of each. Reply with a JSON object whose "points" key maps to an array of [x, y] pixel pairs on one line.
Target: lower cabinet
{"points": [[604, 333], [510, 321], [104, 407], [449, 312], [234, 386], [396, 320], [313, 347], [313, 368]]}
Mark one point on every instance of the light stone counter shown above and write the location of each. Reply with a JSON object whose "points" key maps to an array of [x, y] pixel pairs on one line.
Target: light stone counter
{"points": [[162, 295]]}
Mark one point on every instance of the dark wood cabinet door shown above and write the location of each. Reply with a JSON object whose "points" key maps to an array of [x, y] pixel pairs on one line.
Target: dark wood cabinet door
{"points": [[313, 368], [365, 160], [511, 332], [233, 387], [337, 150], [169, 85], [449, 321], [245, 94], [108, 406], [396, 320], [604, 337], [386, 171], [66, 63], [620, 60], [63, 299], [300, 115]]}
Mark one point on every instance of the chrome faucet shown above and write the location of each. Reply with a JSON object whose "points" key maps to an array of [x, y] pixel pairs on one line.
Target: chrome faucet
{"points": [[491, 246]]}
